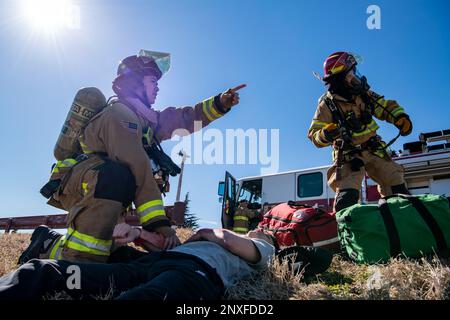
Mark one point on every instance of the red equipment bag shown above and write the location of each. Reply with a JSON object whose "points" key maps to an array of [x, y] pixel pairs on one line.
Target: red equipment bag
{"points": [[298, 224]]}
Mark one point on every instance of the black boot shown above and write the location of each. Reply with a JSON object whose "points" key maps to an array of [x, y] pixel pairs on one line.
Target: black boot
{"points": [[346, 198], [41, 240], [400, 188]]}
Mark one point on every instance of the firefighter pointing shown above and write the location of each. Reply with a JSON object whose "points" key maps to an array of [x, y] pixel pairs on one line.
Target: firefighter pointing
{"points": [[108, 157], [345, 119]]}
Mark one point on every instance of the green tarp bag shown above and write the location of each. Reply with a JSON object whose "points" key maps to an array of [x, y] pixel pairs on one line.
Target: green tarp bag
{"points": [[411, 226]]}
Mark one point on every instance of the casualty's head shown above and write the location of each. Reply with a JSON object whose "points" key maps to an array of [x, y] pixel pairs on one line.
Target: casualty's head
{"points": [[260, 234], [138, 75], [341, 75]]}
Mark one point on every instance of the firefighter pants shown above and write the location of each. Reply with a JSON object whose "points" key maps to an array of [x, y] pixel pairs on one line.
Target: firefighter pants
{"points": [[383, 171], [95, 194], [162, 275]]}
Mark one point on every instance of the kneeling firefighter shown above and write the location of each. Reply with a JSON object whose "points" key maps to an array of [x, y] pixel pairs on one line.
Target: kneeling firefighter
{"points": [[345, 119], [108, 156]]}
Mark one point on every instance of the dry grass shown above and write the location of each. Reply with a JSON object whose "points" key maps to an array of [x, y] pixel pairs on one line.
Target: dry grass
{"points": [[11, 246], [425, 279]]}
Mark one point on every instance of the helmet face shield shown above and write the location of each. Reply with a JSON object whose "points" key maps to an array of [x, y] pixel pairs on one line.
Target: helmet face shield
{"points": [[161, 59]]}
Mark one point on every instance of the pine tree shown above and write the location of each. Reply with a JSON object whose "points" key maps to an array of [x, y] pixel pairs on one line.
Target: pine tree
{"points": [[190, 219]]}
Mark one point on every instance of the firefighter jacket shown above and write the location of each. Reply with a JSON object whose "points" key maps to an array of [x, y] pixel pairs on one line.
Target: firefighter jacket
{"points": [[242, 218], [118, 131], [387, 110]]}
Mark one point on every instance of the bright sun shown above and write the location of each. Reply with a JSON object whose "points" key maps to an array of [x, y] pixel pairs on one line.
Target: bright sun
{"points": [[50, 16]]}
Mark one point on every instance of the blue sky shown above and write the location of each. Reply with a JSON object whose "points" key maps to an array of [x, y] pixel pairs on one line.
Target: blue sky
{"points": [[273, 46]]}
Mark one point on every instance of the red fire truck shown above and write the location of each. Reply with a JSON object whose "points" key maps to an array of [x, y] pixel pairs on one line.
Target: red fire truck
{"points": [[427, 170]]}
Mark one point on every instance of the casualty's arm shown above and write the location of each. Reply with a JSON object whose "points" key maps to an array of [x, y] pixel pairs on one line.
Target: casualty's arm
{"points": [[239, 245], [124, 233], [186, 120]]}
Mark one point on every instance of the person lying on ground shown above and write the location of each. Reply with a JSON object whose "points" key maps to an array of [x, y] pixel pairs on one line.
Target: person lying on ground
{"points": [[200, 269]]}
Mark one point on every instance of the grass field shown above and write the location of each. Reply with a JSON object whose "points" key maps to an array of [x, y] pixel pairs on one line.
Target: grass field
{"points": [[427, 279]]}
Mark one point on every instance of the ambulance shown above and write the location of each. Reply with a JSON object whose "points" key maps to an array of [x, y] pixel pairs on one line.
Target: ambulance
{"points": [[427, 170]]}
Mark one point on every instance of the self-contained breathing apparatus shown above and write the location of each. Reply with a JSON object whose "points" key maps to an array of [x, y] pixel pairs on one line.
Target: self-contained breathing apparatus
{"points": [[86, 104]]}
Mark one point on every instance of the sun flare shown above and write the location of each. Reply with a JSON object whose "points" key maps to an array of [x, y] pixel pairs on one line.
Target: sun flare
{"points": [[50, 16]]}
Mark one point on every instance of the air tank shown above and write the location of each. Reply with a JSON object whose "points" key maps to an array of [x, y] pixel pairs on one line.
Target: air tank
{"points": [[87, 103]]}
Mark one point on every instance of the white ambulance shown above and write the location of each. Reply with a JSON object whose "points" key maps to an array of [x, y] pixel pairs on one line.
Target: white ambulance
{"points": [[427, 170]]}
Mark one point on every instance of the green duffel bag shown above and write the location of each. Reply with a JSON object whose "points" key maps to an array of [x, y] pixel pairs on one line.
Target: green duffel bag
{"points": [[411, 226]]}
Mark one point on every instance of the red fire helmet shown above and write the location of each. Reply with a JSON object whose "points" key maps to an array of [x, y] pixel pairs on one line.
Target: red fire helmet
{"points": [[338, 62]]}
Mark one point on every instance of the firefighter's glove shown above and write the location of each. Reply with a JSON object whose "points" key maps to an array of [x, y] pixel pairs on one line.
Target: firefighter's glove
{"points": [[331, 132], [230, 97], [404, 124], [170, 237]]}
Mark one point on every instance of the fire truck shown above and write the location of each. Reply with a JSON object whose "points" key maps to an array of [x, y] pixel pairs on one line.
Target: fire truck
{"points": [[427, 170]]}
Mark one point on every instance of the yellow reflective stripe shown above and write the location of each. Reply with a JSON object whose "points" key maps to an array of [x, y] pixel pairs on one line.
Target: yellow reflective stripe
{"points": [[84, 186], [82, 248], [150, 210], [398, 111], [52, 253], [66, 163], [84, 147], [149, 204], [320, 123], [148, 135], [55, 253], [317, 125], [244, 218], [209, 109], [371, 127], [383, 102], [90, 239], [206, 111], [238, 229], [213, 110], [151, 215]]}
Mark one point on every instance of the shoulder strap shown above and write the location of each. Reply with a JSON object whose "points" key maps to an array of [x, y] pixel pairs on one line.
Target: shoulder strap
{"points": [[394, 238], [335, 113]]}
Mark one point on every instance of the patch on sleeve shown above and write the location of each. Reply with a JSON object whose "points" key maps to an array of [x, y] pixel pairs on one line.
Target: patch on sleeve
{"points": [[130, 126]]}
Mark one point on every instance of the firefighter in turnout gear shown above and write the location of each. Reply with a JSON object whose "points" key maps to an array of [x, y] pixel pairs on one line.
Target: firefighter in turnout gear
{"points": [[345, 119], [242, 216], [116, 164]]}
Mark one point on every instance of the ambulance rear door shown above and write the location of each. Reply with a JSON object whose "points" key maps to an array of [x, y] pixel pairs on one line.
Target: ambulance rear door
{"points": [[227, 191]]}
